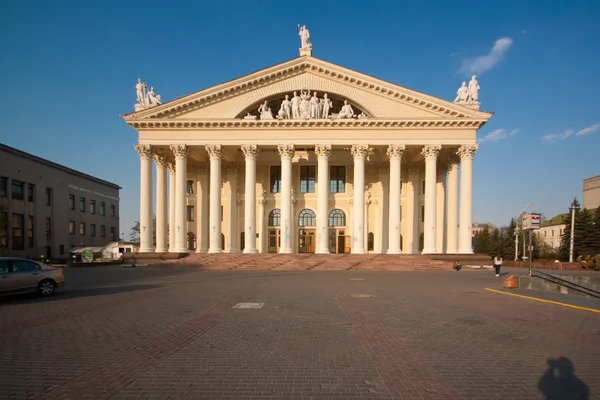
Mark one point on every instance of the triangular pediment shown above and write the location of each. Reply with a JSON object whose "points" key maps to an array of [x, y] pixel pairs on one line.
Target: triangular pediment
{"points": [[378, 99]]}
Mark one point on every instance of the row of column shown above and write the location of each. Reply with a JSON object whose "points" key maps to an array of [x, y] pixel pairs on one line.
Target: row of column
{"points": [[460, 243]]}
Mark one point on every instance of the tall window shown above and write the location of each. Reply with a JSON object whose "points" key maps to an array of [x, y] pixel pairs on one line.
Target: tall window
{"points": [[190, 213], [4, 229], [17, 189], [307, 179], [337, 218], [48, 196], [30, 230], [337, 179], [307, 218], [82, 228], [61, 249], [92, 206], [17, 223], [92, 229], [3, 186], [189, 185], [423, 187], [71, 202], [102, 207], [113, 232], [102, 231], [422, 213], [275, 175], [113, 210], [370, 241], [82, 204], [48, 228], [275, 217], [30, 190], [72, 227]]}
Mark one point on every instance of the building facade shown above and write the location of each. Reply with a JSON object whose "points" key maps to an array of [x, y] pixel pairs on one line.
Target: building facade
{"points": [[49, 208], [591, 192], [307, 157]]}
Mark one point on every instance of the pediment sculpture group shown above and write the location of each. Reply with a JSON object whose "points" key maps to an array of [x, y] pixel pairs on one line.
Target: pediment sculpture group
{"points": [[305, 106], [468, 94], [146, 98]]}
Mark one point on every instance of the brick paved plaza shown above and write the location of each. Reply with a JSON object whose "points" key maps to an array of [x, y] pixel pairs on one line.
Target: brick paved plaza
{"points": [[171, 333]]}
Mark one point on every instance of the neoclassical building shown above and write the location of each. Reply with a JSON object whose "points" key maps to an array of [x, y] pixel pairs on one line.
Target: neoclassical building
{"points": [[306, 157]]}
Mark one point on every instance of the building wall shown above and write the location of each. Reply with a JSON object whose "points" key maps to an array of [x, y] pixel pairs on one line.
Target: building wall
{"points": [[552, 235], [591, 192], [52, 185]]}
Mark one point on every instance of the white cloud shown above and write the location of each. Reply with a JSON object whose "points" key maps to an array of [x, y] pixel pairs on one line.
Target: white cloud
{"points": [[514, 132], [589, 129], [493, 136], [480, 64]]}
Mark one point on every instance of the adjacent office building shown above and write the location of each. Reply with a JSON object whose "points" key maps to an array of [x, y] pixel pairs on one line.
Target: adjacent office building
{"points": [[47, 208]]}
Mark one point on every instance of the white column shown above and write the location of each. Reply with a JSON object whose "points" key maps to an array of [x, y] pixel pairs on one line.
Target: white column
{"points": [[286, 152], [430, 153], [202, 210], [411, 242], [146, 222], [181, 152], [232, 178], [250, 154], [466, 153], [161, 203], [452, 221], [171, 227], [440, 204], [382, 237], [395, 154], [262, 232], [359, 153], [215, 151], [323, 152]]}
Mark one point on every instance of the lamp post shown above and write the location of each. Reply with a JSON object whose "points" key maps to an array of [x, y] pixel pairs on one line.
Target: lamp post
{"points": [[572, 244], [519, 217]]}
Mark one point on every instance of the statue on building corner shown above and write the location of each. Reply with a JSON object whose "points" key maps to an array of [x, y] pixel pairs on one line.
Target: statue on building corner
{"points": [[145, 98], [462, 94], [474, 89], [304, 36], [468, 95]]}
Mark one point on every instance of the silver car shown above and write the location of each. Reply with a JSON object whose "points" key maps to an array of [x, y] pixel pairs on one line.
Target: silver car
{"points": [[18, 275]]}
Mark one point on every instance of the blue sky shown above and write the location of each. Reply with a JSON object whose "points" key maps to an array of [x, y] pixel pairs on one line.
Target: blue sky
{"points": [[68, 68]]}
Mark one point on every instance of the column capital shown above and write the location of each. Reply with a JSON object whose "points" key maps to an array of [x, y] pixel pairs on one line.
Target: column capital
{"points": [[286, 150], [249, 150], [395, 150], [171, 166], [180, 150], [431, 150], [161, 161], [467, 151], [214, 150], [359, 150], [452, 160], [323, 150], [144, 150]]}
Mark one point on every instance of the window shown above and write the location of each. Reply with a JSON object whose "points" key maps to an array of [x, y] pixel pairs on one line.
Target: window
{"points": [[61, 249], [71, 202], [337, 179], [370, 241], [30, 230], [92, 229], [24, 266], [82, 228], [190, 213], [3, 267], [30, 190], [17, 223], [48, 228], [422, 213], [275, 217], [92, 206], [189, 187], [423, 187], [102, 206], [191, 239], [48, 196], [307, 218], [275, 175], [4, 230], [307, 179], [337, 218], [221, 213], [17, 190], [3, 186], [82, 204], [112, 232], [72, 227], [113, 210], [102, 231]]}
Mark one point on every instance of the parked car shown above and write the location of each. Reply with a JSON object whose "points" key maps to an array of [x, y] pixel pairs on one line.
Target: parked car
{"points": [[18, 275]]}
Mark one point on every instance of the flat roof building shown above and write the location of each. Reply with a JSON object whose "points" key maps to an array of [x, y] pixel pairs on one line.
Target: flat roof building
{"points": [[47, 208], [591, 192]]}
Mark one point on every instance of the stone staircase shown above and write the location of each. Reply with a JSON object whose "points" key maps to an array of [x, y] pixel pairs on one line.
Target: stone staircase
{"points": [[307, 262]]}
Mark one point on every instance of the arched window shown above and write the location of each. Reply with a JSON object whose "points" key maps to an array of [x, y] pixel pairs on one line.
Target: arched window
{"points": [[275, 217], [337, 218], [191, 239], [242, 241], [306, 218], [370, 241]]}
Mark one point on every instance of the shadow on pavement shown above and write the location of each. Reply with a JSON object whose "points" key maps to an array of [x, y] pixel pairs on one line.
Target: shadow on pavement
{"points": [[559, 381], [65, 293]]}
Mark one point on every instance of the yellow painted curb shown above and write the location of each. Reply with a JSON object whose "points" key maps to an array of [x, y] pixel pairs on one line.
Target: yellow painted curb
{"points": [[544, 301]]}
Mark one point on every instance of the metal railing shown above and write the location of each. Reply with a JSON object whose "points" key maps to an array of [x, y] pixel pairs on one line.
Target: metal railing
{"points": [[566, 283]]}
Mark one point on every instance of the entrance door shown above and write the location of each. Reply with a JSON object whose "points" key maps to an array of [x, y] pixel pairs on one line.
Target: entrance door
{"points": [[306, 241], [338, 241], [274, 240]]}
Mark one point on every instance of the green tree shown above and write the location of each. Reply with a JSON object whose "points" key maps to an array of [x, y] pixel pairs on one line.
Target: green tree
{"points": [[584, 242], [482, 241]]}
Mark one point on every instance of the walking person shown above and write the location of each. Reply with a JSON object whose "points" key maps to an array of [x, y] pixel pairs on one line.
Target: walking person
{"points": [[497, 264]]}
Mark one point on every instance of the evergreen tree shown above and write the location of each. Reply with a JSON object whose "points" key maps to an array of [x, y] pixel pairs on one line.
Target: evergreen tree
{"points": [[584, 234], [482, 241], [496, 243], [509, 240]]}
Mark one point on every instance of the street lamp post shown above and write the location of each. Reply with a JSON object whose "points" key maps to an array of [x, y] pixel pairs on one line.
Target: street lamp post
{"points": [[572, 244], [520, 217]]}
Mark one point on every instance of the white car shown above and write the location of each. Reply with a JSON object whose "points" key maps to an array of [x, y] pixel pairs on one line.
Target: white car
{"points": [[18, 275]]}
